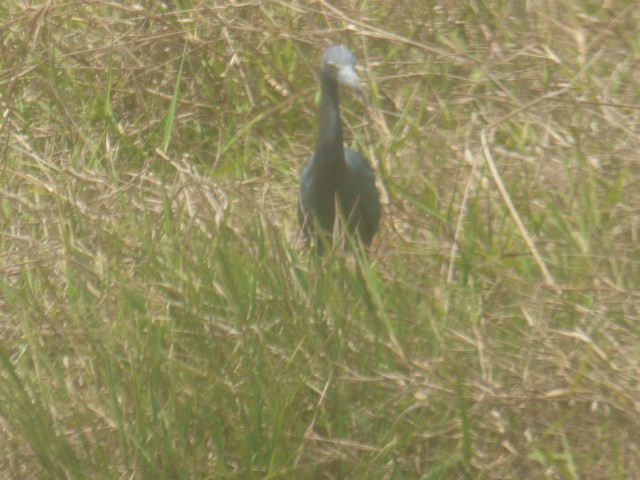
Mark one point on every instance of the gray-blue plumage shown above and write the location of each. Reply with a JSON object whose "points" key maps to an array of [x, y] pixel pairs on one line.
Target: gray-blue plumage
{"points": [[335, 175]]}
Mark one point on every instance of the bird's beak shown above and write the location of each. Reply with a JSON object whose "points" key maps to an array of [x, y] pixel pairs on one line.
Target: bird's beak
{"points": [[348, 77]]}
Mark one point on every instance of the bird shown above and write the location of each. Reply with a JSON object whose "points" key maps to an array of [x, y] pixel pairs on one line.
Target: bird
{"points": [[335, 178]]}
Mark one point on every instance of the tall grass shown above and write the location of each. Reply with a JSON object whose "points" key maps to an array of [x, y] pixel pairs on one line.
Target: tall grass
{"points": [[160, 316]]}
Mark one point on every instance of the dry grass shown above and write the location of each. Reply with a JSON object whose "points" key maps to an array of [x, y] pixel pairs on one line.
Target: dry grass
{"points": [[159, 318]]}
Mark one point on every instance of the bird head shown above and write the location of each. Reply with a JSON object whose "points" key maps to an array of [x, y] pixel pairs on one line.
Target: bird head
{"points": [[338, 62]]}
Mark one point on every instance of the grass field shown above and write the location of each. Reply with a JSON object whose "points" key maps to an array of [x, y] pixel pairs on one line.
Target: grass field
{"points": [[160, 316]]}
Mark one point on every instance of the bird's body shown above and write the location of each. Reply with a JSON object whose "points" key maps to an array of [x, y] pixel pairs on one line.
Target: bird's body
{"points": [[359, 206], [335, 179]]}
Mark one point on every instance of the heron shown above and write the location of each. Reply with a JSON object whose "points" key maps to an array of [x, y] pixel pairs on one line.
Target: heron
{"points": [[337, 179]]}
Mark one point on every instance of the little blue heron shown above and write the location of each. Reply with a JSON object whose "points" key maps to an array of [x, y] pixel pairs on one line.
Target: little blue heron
{"points": [[336, 176]]}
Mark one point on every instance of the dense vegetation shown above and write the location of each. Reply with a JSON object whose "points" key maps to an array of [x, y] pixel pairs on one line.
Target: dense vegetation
{"points": [[161, 318]]}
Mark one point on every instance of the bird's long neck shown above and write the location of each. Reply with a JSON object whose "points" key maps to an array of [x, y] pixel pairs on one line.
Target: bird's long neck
{"points": [[329, 149]]}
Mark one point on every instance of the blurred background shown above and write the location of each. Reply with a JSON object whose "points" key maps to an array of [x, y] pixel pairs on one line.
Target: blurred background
{"points": [[161, 318]]}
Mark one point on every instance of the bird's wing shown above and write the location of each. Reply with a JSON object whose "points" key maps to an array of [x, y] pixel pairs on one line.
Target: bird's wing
{"points": [[369, 199], [305, 185]]}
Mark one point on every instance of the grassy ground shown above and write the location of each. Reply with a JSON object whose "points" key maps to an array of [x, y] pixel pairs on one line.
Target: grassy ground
{"points": [[160, 318]]}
